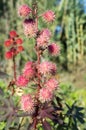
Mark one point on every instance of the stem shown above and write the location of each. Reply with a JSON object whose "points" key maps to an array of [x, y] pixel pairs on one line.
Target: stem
{"points": [[12, 83], [38, 53], [35, 17], [69, 123], [19, 127], [14, 67], [38, 74]]}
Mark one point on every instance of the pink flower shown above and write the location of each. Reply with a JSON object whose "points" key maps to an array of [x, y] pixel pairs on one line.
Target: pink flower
{"points": [[54, 49], [45, 95], [21, 81], [28, 65], [27, 103], [47, 67], [28, 73], [43, 39], [49, 16], [29, 28], [24, 10], [46, 33], [51, 84], [28, 70]]}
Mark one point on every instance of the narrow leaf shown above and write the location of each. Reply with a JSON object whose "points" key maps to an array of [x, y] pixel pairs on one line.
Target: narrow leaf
{"points": [[46, 125]]}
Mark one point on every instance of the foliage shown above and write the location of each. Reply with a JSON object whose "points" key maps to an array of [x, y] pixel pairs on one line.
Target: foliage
{"points": [[68, 94], [70, 31]]}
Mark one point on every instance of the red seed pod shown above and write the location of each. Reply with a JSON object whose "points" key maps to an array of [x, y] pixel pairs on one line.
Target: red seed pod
{"points": [[8, 43], [13, 34], [13, 50], [20, 48], [8, 55], [19, 41]]}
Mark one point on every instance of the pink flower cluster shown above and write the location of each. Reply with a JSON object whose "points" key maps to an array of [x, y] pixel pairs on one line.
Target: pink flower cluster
{"points": [[27, 103], [44, 69]]}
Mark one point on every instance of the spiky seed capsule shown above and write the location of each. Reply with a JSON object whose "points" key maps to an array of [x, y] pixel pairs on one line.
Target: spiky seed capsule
{"points": [[49, 16], [54, 49], [22, 81], [24, 10], [45, 95], [27, 103]]}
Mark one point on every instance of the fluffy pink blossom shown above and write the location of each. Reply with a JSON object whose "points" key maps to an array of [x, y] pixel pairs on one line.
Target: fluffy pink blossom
{"points": [[24, 10], [53, 68], [28, 70], [28, 65], [51, 84], [54, 49], [46, 33], [27, 103], [28, 73], [47, 67], [49, 16], [21, 81], [45, 95], [29, 28], [43, 39]]}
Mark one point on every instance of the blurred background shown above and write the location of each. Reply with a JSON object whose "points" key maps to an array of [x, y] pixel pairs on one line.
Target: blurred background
{"points": [[68, 30]]}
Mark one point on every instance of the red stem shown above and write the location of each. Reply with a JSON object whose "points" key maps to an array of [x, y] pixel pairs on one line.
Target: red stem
{"points": [[35, 17], [14, 67]]}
